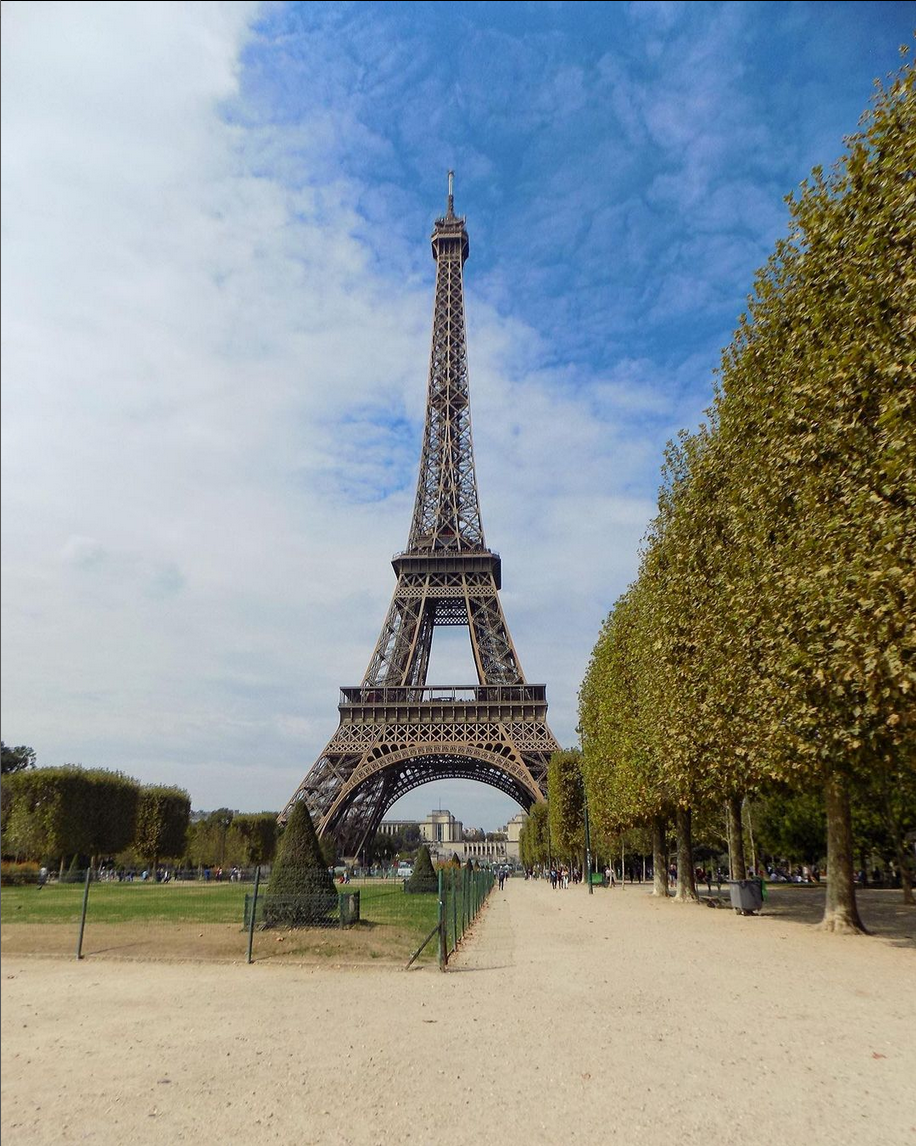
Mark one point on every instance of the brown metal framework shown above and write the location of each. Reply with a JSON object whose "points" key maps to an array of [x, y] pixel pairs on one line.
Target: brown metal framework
{"points": [[396, 733]]}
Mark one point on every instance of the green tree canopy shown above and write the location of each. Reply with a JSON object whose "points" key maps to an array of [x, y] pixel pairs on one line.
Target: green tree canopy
{"points": [[770, 636], [16, 759], [163, 814], [566, 804], [257, 834], [534, 838]]}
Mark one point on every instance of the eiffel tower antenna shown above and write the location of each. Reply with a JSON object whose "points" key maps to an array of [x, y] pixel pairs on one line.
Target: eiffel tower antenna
{"points": [[396, 732]]}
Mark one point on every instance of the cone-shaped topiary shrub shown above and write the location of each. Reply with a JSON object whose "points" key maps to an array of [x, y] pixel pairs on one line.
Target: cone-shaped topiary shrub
{"points": [[301, 891], [424, 876]]}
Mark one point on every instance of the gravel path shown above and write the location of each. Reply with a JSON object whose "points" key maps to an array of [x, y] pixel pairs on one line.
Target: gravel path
{"points": [[565, 1019]]}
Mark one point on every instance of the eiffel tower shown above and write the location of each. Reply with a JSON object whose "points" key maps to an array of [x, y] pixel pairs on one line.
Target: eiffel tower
{"points": [[397, 732]]}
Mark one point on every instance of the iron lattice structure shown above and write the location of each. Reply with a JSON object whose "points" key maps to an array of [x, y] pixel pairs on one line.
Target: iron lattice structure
{"points": [[396, 732]]}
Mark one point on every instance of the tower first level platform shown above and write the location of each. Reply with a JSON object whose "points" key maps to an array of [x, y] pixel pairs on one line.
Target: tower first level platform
{"points": [[393, 739]]}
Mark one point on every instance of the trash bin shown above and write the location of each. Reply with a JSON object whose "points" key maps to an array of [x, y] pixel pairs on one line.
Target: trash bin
{"points": [[349, 907], [746, 895]]}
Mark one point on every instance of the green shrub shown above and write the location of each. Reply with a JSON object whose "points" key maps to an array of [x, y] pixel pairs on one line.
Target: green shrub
{"points": [[424, 878], [301, 892]]}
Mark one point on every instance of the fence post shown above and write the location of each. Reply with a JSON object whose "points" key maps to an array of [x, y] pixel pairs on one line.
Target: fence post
{"points": [[453, 881], [443, 953], [79, 942], [254, 910]]}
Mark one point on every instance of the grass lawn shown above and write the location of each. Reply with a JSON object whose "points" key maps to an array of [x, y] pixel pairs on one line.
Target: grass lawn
{"points": [[125, 902], [204, 920]]}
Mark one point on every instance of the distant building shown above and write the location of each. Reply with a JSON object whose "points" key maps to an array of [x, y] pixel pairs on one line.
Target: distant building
{"points": [[443, 833], [441, 827], [500, 848], [395, 827]]}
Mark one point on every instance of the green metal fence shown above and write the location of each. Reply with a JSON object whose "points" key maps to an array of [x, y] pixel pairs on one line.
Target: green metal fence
{"points": [[462, 893], [361, 922]]}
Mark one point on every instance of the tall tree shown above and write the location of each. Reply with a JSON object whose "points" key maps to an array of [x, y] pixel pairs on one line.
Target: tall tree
{"points": [[163, 814], [770, 636], [566, 804], [621, 763], [112, 820], [257, 834], [534, 838], [51, 813], [16, 759], [817, 418]]}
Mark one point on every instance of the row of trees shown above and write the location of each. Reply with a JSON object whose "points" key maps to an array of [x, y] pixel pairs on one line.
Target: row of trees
{"points": [[782, 828], [58, 813], [769, 638], [225, 838]]}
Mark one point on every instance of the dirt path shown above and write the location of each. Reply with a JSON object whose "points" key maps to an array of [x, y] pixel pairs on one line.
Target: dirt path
{"points": [[567, 1018]]}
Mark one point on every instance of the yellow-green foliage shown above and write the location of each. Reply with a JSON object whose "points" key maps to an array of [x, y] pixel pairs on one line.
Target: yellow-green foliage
{"points": [[770, 634], [566, 804], [534, 838]]}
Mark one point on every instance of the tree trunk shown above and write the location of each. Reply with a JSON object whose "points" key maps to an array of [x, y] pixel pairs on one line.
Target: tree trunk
{"points": [[903, 864], [755, 862], [840, 911], [659, 858], [686, 881], [737, 868]]}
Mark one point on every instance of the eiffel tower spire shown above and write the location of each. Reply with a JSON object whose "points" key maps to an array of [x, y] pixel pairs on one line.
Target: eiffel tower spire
{"points": [[447, 513], [395, 732]]}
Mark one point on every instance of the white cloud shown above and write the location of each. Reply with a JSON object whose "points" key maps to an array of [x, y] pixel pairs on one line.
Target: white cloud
{"points": [[216, 314], [213, 398]]}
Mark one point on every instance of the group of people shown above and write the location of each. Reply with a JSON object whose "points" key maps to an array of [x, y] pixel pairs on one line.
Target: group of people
{"points": [[562, 876], [709, 877]]}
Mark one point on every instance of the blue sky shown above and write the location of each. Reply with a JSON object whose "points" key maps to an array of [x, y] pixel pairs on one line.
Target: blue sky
{"points": [[216, 308]]}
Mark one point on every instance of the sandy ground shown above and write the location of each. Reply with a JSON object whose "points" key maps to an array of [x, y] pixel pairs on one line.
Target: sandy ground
{"points": [[566, 1019]]}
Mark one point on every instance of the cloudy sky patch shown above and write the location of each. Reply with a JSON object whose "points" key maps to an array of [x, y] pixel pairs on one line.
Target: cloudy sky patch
{"points": [[217, 296]]}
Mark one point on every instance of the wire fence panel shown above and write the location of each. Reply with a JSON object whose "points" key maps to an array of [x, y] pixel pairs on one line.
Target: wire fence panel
{"points": [[463, 894], [363, 921], [390, 923]]}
